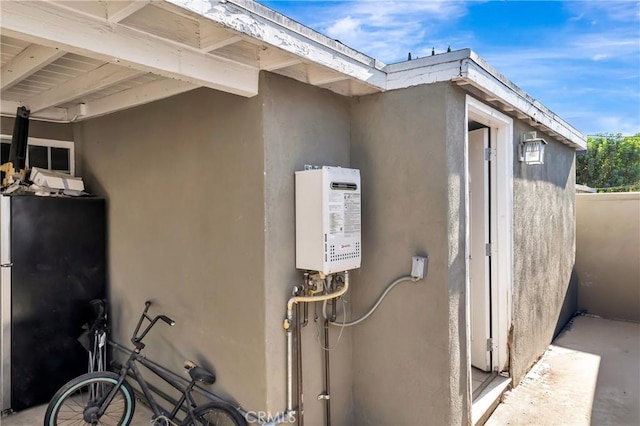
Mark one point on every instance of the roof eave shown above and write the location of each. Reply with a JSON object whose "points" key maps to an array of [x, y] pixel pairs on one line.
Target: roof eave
{"points": [[258, 22], [465, 67]]}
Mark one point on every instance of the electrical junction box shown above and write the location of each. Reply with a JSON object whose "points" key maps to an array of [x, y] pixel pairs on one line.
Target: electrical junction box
{"points": [[328, 219]]}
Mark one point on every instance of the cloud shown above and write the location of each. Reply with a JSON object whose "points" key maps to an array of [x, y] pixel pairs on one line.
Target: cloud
{"points": [[618, 11], [388, 30], [346, 28], [585, 68], [626, 125]]}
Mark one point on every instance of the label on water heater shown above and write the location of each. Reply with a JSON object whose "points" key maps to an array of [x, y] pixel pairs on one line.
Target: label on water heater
{"points": [[351, 214], [336, 213], [344, 213]]}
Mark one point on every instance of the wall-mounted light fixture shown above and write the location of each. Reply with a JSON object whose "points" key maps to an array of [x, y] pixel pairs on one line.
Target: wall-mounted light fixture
{"points": [[531, 149]]}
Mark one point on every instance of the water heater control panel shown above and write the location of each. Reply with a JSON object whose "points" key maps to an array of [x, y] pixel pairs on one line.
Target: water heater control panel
{"points": [[328, 219]]}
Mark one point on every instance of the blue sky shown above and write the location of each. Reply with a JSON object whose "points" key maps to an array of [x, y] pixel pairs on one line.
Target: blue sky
{"points": [[579, 58]]}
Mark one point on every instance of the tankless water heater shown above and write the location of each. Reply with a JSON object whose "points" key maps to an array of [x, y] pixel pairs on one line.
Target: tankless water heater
{"points": [[328, 219]]}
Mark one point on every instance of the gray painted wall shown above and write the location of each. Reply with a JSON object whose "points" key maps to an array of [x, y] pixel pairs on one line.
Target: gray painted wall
{"points": [[302, 125], [608, 254], [40, 129], [543, 248], [409, 147], [184, 182], [201, 207]]}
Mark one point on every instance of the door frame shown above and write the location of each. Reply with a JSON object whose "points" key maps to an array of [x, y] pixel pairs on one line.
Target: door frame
{"points": [[479, 193], [501, 217]]}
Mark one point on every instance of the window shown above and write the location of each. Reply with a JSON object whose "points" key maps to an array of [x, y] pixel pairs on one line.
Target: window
{"points": [[49, 154]]}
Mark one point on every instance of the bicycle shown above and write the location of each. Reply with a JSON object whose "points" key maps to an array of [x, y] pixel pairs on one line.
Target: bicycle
{"points": [[105, 398]]}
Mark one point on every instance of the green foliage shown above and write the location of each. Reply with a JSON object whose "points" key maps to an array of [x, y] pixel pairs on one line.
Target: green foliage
{"points": [[611, 164]]}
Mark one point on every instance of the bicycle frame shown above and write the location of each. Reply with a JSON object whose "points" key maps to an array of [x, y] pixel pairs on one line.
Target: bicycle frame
{"points": [[130, 366], [177, 382]]}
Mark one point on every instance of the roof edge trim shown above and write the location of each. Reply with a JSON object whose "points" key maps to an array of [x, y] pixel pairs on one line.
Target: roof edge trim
{"points": [[466, 67], [276, 30]]}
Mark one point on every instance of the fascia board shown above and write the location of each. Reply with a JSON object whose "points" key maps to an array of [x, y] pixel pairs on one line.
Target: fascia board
{"points": [[466, 66], [277, 31], [427, 61], [476, 71], [426, 74], [285, 21]]}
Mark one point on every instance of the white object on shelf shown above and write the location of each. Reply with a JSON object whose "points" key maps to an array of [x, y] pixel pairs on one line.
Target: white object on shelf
{"points": [[54, 180]]}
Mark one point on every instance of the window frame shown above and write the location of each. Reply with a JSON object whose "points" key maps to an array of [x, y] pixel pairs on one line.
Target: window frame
{"points": [[50, 143]]}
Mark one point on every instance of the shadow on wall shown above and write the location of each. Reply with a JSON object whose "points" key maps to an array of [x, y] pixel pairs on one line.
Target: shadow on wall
{"points": [[557, 167], [569, 304]]}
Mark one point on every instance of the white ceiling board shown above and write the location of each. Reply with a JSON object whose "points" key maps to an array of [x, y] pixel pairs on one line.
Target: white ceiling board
{"points": [[113, 89], [37, 22], [91, 81], [10, 47], [27, 62], [133, 97]]}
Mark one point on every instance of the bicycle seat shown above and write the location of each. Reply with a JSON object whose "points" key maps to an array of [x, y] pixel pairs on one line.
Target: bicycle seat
{"points": [[199, 374]]}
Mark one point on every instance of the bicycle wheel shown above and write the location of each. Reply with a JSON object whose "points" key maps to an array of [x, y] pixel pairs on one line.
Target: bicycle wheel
{"points": [[215, 414], [77, 402]]}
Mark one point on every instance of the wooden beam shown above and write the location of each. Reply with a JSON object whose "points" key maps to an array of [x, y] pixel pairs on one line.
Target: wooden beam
{"points": [[9, 108], [212, 46], [259, 23], [361, 89], [82, 85], [319, 76], [296, 72], [119, 10], [213, 37], [27, 62], [44, 23], [274, 59], [340, 87], [242, 52], [139, 95]]}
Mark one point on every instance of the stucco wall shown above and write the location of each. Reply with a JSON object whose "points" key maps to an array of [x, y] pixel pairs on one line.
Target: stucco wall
{"points": [[608, 254], [302, 125], [543, 248], [201, 219], [409, 147], [184, 179], [40, 129]]}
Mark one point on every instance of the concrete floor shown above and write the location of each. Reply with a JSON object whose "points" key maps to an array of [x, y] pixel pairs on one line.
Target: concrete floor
{"points": [[589, 376], [35, 416]]}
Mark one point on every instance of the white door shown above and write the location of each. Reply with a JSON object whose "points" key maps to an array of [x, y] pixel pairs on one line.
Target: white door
{"points": [[479, 267]]}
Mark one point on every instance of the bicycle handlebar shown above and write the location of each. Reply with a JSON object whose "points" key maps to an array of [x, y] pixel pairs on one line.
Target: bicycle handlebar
{"points": [[137, 340]]}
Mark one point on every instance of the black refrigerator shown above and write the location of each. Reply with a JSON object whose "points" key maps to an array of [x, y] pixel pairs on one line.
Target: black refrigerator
{"points": [[52, 258]]}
